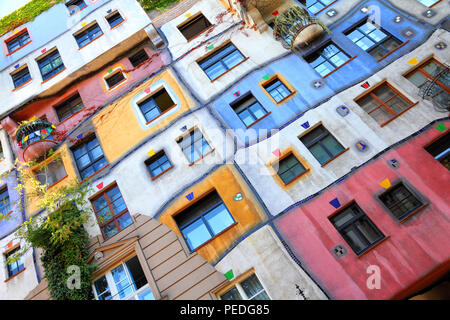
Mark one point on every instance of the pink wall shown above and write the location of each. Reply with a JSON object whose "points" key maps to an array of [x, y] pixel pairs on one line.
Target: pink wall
{"points": [[416, 250]]}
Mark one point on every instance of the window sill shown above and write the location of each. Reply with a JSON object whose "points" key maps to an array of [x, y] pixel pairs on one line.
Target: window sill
{"points": [[12, 277], [14, 51], [95, 173], [373, 247], [336, 156], [296, 178], [90, 42], [60, 71], [161, 114], [201, 33], [342, 65], [230, 70], [71, 116], [260, 119], [118, 25], [78, 11], [22, 85], [398, 115], [159, 175], [55, 183], [392, 51], [414, 213], [198, 160], [285, 99], [215, 237], [321, 10], [435, 4]]}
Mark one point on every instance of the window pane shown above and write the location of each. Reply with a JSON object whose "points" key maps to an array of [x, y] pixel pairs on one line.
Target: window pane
{"points": [[102, 289], [232, 294], [319, 153], [110, 230], [146, 295], [196, 234], [354, 239], [251, 286], [123, 285], [369, 232], [332, 145], [136, 273], [219, 219], [124, 221]]}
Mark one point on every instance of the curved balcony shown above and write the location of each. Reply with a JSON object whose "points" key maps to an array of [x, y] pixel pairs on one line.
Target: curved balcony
{"points": [[35, 138], [296, 29]]}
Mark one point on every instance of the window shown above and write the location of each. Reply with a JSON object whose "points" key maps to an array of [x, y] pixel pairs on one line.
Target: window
{"points": [[89, 157], [114, 19], [125, 282], [156, 105], [21, 77], [433, 71], [221, 61], [114, 79], [111, 211], [204, 220], [194, 26], [428, 3], [18, 41], [248, 289], [440, 150], [290, 168], [86, 36], [384, 103], [51, 173], [140, 57], [5, 207], [2, 155], [158, 164], [249, 109], [376, 41], [14, 267], [277, 90], [315, 6], [50, 65], [400, 201], [322, 144], [327, 59], [69, 107], [194, 146], [356, 228], [75, 5]]}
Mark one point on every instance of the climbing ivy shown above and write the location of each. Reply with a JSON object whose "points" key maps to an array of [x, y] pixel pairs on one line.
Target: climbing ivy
{"points": [[159, 5]]}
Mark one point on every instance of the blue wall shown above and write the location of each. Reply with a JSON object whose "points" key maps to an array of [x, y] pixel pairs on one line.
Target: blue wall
{"points": [[16, 216]]}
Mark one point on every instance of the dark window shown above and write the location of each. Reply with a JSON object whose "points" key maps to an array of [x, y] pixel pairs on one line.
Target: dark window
{"points": [[249, 109], [195, 26], [322, 144], [194, 145], [356, 228], [88, 35], [75, 5], [204, 220], [248, 289], [2, 155], [14, 267], [21, 77], [51, 173], [327, 59], [221, 61], [111, 211], [400, 201], [18, 41], [69, 107], [384, 103], [89, 157], [50, 65], [315, 6], [158, 164], [290, 168], [157, 104], [5, 207], [277, 90], [440, 150], [138, 58], [114, 19], [115, 79], [373, 39]]}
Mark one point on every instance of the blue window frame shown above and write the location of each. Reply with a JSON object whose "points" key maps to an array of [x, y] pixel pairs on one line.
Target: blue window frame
{"points": [[18, 41], [14, 267], [88, 35], [327, 59], [277, 90], [20, 77], [194, 145], [158, 164], [157, 104], [114, 19], [5, 206], [221, 61], [89, 157], [373, 39], [75, 5], [248, 109], [315, 6], [50, 65], [204, 220]]}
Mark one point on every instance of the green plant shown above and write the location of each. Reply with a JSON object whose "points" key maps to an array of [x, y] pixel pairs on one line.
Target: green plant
{"points": [[159, 5]]}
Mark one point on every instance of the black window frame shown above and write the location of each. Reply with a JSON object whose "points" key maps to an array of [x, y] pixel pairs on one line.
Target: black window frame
{"points": [[21, 39], [361, 216], [445, 149], [156, 158], [191, 23], [411, 194], [248, 100], [68, 104], [21, 77], [138, 58], [271, 82], [50, 58], [283, 160], [319, 52], [93, 161], [110, 19], [111, 76], [78, 3], [153, 98], [88, 34]]}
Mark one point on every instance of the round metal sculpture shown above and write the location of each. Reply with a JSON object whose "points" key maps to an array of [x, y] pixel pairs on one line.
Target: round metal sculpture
{"points": [[35, 138]]}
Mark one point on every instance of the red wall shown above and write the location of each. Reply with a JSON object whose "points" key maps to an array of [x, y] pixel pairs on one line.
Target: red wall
{"points": [[416, 251]]}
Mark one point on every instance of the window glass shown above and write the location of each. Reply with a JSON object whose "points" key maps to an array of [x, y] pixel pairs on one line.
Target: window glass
{"points": [[21, 77], [194, 26], [221, 61], [440, 150]]}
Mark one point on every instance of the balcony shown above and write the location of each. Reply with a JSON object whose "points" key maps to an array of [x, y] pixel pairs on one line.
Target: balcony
{"points": [[34, 138]]}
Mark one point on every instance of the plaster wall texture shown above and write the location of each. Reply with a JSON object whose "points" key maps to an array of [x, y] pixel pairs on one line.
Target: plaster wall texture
{"points": [[263, 252], [348, 130]]}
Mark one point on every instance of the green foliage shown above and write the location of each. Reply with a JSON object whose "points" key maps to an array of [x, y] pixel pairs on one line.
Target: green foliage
{"points": [[159, 5], [25, 14]]}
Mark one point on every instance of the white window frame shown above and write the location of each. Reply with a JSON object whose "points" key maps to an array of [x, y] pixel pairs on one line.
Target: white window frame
{"points": [[241, 291]]}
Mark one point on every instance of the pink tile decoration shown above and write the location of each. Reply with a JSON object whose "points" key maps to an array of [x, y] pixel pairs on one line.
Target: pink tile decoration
{"points": [[100, 186], [277, 153], [147, 90]]}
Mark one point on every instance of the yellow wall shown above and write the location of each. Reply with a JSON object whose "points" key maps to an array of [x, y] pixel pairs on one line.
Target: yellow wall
{"points": [[247, 213]]}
